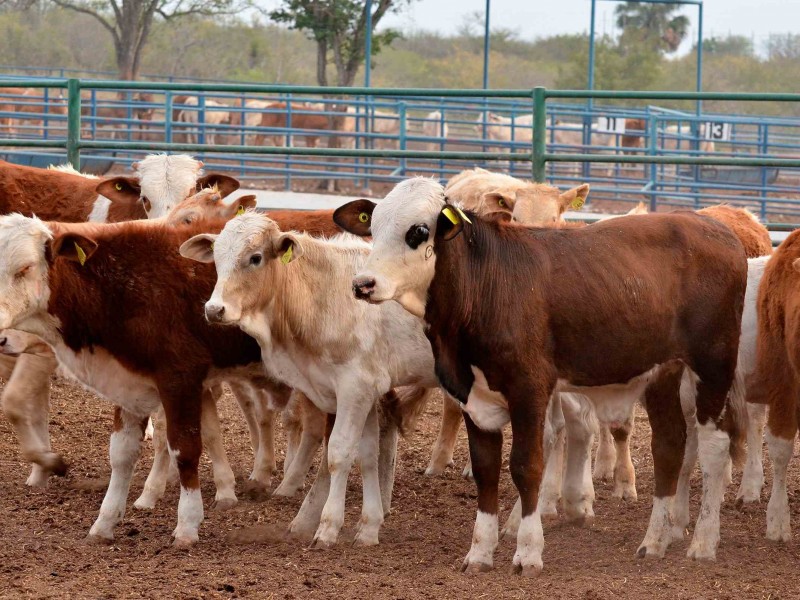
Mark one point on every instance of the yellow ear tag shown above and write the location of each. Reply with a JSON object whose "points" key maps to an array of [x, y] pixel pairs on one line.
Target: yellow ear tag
{"points": [[287, 256], [118, 186], [240, 211], [577, 204], [450, 214], [363, 217], [81, 254], [463, 215], [212, 246]]}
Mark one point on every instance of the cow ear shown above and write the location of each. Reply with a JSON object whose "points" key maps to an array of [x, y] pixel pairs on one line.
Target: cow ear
{"points": [[225, 184], [243, 204], [499, 200], [199, 248], [73, 246], [287, 248], [574, 198], [450, 223], [355, 217], [125, 190], [499, 216]]}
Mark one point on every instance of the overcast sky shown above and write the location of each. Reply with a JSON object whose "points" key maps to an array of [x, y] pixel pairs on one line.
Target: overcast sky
{"points": [[539, 18]]}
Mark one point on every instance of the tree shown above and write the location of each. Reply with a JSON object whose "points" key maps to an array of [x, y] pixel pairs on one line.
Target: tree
{"points": [[654, 22], [339, 27], [129, 22]]}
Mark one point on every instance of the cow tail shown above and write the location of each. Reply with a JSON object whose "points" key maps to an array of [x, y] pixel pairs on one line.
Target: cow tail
{"points": [[738, 421]]}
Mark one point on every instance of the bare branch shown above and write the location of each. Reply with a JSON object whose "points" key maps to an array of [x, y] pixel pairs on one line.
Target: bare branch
{"points": [[87, 11]]}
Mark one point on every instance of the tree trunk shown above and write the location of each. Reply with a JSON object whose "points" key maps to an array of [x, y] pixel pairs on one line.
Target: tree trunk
{"points": [[322, 63]]}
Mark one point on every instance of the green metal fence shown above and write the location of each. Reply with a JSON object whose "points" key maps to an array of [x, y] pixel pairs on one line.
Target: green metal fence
{"points": [[538, 156]]}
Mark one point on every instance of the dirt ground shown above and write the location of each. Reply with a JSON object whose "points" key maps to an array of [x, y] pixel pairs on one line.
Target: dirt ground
{"points": [[242, 552]]}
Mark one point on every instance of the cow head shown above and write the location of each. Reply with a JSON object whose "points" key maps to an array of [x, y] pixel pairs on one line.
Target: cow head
{"points": [[26, 248], [403, 227], [208, 204], [247, 252], [537, 205]]}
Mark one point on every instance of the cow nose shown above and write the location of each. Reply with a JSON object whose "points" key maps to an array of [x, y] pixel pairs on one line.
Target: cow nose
{"points": [[214, 312], [3, 341], [364, 288]]}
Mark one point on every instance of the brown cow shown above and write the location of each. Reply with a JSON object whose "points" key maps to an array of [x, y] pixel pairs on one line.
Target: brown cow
{"points": [[474, 281], [303, 116], [775, 382], [634, 135], [745, 225], [112, 110]]}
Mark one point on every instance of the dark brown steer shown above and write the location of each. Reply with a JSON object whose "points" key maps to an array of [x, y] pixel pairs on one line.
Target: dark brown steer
{"points": [[515, 313]]}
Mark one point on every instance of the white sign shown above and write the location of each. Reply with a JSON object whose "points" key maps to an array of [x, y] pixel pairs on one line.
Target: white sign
{"points": [[611, 124], [716, 131]]}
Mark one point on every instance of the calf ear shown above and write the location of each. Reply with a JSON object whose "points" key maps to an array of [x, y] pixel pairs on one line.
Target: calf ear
{"points": [[287, 248], [240, 205], [73, 246], [355, 217], [120, 189], [226, 185], [450, 223], [199, 248], [498, 200], [574, 198]]}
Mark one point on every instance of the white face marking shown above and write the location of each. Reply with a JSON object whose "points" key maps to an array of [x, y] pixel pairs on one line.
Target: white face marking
{"points": [[100, 208], [487, 409], [166, 180], [400, 272], [23, 268]]}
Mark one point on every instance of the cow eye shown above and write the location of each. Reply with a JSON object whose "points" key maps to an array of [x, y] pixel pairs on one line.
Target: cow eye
{"points": [[255, 260], [146, 204], [22, 272], [416, 235], [501, 203]]}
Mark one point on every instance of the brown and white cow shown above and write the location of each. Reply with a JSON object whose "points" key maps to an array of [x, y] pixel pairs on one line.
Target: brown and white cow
{"points": [[508, 314], [774, 382]]}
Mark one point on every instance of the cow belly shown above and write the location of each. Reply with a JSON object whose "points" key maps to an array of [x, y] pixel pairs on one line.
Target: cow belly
{"points": [[305, 374], [487, 408], [103, 374]]}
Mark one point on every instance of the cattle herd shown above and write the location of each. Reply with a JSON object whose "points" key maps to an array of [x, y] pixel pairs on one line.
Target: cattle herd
{"points": [[478, 288]]}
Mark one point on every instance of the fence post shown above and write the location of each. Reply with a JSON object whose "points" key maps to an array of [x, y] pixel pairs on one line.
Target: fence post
{"points": [[539, 135], [74, 123], [401, 114], [652, 140], [168, 116]]}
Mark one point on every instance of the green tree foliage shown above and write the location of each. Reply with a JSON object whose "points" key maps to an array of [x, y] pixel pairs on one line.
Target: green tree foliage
{"points": [[339, 27], [655, 24]]}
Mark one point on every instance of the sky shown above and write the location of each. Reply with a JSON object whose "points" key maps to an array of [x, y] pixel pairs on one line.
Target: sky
{"points": [[755, 19]]}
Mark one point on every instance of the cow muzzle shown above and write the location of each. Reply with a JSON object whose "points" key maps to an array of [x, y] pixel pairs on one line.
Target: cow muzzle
{"points": [[215, 313], [364, 288]]}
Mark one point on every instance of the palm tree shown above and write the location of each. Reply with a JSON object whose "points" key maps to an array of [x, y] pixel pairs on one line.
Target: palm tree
{"points": [[657, 21]]}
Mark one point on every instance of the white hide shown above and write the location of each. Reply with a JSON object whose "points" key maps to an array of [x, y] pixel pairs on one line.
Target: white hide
{"points": [[166, 180]]}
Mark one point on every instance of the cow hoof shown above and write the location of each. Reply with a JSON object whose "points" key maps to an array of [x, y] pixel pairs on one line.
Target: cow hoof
{"points": [[474, 568], [467, 473], [645, 551], [224, 504], [527, 570], [701, 552], [434, 470], [626, 493], [778, 534], [144, 505], [254, 489], [285, 491], [56, 465], [38, 480], [319, 543], [98, 540], [183, 542], [366, 538]]}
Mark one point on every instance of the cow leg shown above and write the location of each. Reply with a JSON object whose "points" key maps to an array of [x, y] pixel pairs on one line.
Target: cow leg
{"points": [[680, 506], [442, 456], [351, 414], [753, 475], [244, 398], [663, 404], [713, 447], [372, 508], [780, 441], [308, 517], [211, 434], [528, 416], [387, 461], [486, 453], [26, 402], [311, 436], [293, 429], [182, 407], [550, 490], [123, 453], [578, 499], [624, 472], [606, 455], [156, 481]]}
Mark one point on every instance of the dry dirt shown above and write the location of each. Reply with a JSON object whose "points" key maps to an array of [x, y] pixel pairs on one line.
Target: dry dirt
{"points": [[242, 552]]}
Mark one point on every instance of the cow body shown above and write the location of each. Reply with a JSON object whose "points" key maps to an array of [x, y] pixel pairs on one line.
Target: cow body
{"points": [[214, 114], [646, 291], [303, 116], [434, 126]]}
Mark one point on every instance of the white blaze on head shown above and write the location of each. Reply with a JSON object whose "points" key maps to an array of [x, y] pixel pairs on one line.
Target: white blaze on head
{"points": [[23, 268], [403, 225], [245, 252], [165, 180]]}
